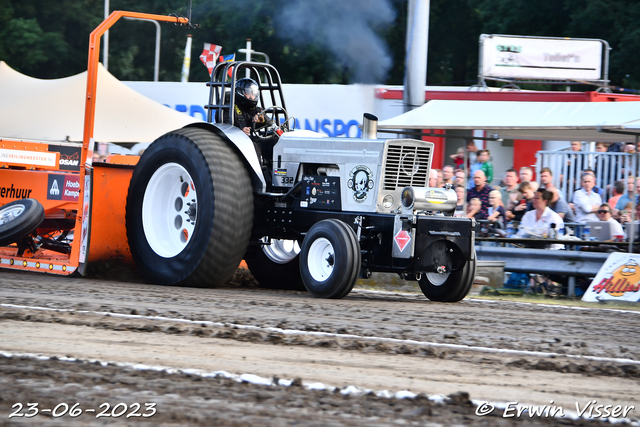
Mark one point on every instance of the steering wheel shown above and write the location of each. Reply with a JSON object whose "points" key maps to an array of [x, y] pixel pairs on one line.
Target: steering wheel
{"points": [[269, 128]]}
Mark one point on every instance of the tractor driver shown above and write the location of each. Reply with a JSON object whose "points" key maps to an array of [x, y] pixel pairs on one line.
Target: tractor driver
{"points": [[246, 107]]}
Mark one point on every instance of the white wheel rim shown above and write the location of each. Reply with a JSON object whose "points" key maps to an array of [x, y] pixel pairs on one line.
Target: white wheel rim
{"points": [[321, 259], [169, 210], [10, 213], [282, 251], [437, 279]]}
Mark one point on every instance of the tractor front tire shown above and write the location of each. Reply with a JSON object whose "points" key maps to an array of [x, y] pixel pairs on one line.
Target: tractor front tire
{"points": [[189, 209], [330, 259]]}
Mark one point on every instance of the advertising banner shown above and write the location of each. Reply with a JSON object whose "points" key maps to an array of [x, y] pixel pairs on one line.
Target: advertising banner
{"points": [[543, 58], [617, 280]]}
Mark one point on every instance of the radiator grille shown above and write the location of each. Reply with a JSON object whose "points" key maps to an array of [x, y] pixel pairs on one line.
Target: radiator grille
{"points": [[406, 165]]}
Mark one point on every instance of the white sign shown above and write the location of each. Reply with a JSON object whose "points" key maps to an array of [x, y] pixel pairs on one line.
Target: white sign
{"points": [[544, 58], [35, 158], [617, 280]]}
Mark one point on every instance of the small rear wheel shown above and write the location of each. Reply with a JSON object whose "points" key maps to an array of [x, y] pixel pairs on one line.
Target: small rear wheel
{"points": [[330, 259], [277, 265], [451, 286], [18, 219]]}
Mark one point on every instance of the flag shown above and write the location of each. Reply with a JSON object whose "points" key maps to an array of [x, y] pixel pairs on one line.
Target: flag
{"points": [[209, 56], [228, 58]]}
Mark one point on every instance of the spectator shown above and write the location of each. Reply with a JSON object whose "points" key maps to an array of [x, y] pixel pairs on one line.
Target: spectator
{"points": [[541, 217], [604, 214], [576, 146], [630, 147], [475, 209], [523, 203], [526, 174], [586, 201], [496, 211], [440, 182], [596, 189], [460, 194], [433, 177], [625, 215], [616, 147], [458, 158], [460, 177], [510, 190], [626, 198], [618, 191], [546, 179], [481, 191], [608, 165], [472, 149], [447, 174], [560, 206], [475, 166], [486, 166]]}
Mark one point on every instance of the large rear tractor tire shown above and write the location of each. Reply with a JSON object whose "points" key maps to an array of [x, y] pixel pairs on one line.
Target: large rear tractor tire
{"points": [[330, 259], [277, 266], [449, 287], [18, 219], [189, 209]]}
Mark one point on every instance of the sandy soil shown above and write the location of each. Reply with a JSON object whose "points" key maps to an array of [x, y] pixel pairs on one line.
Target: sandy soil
{"points": [[536, 355]]}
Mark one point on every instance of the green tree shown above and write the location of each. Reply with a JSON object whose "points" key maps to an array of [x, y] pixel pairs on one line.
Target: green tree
{"points": [[50, 39]]}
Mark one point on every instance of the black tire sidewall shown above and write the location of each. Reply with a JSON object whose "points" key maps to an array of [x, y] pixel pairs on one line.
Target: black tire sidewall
{"points": [[272, 275], [454, 288], [170, 148], [333, 286], [25, 223]]}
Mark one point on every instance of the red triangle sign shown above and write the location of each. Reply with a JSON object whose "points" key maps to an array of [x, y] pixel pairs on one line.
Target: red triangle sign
{"points": [[402, 239]]}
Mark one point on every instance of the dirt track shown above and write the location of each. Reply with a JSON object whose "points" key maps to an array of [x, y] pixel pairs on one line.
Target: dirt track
{"points": [[484, 351]]}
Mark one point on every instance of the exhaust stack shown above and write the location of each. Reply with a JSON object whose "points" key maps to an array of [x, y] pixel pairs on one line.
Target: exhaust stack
{"points": [[369, 126]]}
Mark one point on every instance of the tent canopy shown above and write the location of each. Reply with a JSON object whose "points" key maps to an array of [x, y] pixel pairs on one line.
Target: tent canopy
{"points": [[554, 121], [53, 110]]}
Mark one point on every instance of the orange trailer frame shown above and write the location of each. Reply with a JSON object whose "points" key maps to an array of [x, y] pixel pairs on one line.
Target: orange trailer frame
{"points": [[27, 168]]}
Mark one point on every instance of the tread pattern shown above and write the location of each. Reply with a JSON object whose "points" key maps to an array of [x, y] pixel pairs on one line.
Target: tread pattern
{"points": [[233, 218]]}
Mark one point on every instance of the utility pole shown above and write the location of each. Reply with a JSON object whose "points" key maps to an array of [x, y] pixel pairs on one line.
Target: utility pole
{"points": [[415, 76]]}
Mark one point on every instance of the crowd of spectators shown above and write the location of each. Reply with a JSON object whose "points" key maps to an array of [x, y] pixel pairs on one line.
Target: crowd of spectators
{"points": [[520, 199]]}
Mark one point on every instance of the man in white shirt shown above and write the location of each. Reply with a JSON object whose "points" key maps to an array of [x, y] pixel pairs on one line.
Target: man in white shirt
{"points": [[586, 201]]}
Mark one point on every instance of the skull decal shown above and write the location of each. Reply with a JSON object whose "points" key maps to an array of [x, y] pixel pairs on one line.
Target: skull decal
{"points": [[360, 182]]}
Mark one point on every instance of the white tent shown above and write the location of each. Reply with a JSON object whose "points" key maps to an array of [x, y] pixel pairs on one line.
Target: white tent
{"points": [[53, 110], [557, 121]]}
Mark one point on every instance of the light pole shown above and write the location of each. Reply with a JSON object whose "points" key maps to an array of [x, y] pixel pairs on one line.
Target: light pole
{"points": [[105, 39]]}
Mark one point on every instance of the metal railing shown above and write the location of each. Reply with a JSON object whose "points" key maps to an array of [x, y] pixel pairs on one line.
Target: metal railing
{"points": [[567, 168], [545, 262]]}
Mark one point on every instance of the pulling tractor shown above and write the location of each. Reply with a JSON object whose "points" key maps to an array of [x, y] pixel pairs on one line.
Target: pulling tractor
{"points": [[305, 211]]}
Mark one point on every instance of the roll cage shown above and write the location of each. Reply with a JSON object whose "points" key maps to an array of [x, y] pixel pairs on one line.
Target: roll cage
{"points": [[222, 97]]}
